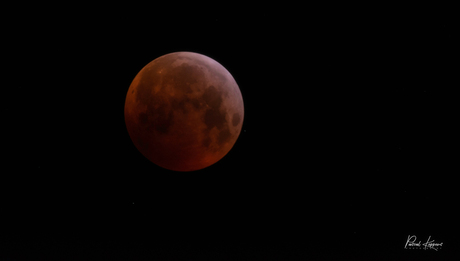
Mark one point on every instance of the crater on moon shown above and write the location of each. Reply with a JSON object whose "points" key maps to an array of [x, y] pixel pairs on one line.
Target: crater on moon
{"points": [[184, 111]]}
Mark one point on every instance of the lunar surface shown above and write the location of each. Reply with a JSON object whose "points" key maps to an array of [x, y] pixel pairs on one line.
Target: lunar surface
{"points": [[184, 111]]}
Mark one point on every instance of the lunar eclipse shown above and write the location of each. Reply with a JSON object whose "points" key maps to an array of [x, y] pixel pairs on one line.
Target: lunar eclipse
{"points": [[184, 111]]}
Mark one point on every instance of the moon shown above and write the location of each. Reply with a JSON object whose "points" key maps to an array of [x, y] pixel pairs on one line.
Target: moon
{"points": [[184, 111]]}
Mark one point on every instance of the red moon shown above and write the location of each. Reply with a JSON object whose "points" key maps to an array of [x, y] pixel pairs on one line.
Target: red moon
{"points": [[184, 111]]}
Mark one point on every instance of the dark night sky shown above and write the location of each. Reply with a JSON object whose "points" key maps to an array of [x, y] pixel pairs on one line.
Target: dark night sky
{"points": [[347, 144]]}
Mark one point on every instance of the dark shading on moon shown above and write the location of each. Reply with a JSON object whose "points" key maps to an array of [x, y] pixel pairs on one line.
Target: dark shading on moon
{"points": [[184, 111]]}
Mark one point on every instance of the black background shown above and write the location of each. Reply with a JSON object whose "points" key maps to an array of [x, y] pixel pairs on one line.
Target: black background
{"points": [[347, 146]]}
